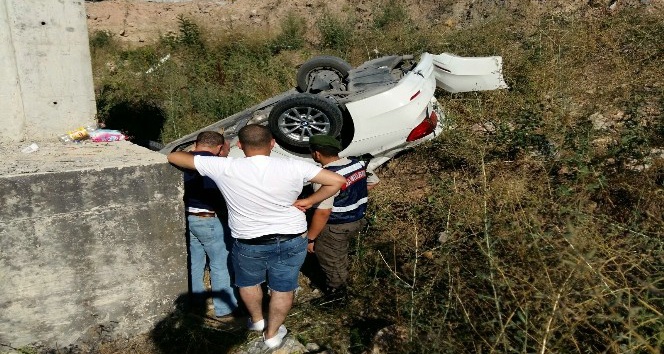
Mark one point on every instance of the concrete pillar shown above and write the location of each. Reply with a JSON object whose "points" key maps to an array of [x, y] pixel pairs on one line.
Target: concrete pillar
{"points": [[46, 83]]}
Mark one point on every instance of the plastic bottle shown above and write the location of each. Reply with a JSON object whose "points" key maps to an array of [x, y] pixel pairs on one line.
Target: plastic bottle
{"points": [[79, 134], [30, 148]]}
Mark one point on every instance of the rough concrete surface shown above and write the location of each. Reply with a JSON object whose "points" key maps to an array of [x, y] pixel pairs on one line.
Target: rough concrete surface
{"points": [[91, 235], [53, 156]]}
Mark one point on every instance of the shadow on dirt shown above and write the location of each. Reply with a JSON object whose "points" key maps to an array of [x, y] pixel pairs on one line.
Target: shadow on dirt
{"points": [[362, 332], [188, 329]]}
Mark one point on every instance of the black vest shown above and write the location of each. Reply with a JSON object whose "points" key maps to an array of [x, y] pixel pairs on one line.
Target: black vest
{"points": [[351, 203]]}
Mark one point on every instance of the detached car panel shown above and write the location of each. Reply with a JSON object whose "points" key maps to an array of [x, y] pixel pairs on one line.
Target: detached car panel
{"points": [[457, 74]]}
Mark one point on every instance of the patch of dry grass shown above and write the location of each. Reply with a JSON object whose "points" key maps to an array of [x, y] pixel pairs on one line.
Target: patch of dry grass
{"points": [[532, 237]]}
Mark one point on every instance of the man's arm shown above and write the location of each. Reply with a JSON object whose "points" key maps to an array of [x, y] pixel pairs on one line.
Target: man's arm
{"points": [[330, 183], [182, 159], [318, 221]]}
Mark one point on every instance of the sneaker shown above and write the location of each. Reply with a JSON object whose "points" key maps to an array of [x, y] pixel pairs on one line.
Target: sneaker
{"points": [[258, 326], [275, 341]]}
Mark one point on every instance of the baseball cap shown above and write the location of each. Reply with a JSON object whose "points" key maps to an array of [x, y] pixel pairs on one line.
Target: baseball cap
{"points": [[325, 140]]}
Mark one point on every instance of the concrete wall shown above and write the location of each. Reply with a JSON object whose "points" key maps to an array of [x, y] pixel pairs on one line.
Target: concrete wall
{"points": [[46, 83], [92, 247], [91, 235]]}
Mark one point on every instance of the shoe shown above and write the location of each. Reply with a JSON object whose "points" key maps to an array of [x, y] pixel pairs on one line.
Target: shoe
{"points": [[333, 298], [336, 293], [275, 341], [258, 326]]}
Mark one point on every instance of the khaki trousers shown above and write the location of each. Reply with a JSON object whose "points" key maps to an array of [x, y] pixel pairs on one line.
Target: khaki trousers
{"points": [[332, 251]]}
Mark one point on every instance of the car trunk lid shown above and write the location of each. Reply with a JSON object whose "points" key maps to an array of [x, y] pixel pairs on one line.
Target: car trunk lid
{"points": [[459, 74]]}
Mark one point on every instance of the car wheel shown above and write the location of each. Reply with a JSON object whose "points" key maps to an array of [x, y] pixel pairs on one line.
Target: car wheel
{"points": [[330, 70], [294, 119]]}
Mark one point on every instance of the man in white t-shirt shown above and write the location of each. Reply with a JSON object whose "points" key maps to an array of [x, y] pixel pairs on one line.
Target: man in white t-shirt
{"points": [[266, 219]]}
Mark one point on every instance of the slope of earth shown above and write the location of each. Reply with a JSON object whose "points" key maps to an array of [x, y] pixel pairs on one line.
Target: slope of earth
{"points": [[137, 22]]}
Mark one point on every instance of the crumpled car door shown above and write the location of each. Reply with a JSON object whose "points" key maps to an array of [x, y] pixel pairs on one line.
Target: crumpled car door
{"points": [[463, 74]]}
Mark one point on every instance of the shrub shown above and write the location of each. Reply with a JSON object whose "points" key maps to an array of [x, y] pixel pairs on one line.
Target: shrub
{"points": [[336, 33], [391, 12], [100, 39], [291, 36], [190, 33]]}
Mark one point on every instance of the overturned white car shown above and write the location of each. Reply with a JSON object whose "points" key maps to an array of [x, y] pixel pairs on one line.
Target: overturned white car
{"points": [[375, 110]]}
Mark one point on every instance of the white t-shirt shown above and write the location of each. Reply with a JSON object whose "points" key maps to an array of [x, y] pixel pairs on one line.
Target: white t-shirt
{"points": [[260, 191]]}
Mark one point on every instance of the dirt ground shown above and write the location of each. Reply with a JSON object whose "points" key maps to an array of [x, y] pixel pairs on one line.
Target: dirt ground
{"points": [[141, 21]]}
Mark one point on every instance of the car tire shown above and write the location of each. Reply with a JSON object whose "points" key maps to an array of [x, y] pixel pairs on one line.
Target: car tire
{"points": [[294, 119], [334, 65]]}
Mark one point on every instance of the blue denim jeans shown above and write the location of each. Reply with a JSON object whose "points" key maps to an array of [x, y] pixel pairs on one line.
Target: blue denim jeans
{"points": [[207, 238], [279, 263]]}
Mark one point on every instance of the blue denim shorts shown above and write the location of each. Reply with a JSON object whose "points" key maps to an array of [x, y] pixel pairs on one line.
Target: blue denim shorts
{"points": [[277, 263]]}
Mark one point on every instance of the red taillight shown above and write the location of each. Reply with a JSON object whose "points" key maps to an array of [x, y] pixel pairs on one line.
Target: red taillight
{"points": [[415, 95], [425, 128]]}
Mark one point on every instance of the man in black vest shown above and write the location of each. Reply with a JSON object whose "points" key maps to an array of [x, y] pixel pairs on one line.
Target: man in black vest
{"points": [[340, 217]]}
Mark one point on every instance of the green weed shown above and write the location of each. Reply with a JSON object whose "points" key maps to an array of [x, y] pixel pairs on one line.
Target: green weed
{"points": [[291, 36], [391, 12], [100, 39], [336, 33]]}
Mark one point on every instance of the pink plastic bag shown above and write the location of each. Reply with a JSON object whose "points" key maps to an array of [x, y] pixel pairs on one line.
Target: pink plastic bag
{"points": [[106, 135]]}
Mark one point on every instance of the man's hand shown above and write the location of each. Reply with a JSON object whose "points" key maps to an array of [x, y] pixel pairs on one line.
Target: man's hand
{"points": [[330, 183], [303, 204], [318, 221]]}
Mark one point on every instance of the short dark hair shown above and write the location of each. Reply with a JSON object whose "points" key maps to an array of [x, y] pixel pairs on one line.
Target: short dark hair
{"points": [[210, 138], [327, 151], [255, 136]]}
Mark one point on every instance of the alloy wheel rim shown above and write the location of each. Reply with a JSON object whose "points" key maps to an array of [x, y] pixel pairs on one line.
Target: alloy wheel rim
{"points": [[300, 123]]}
